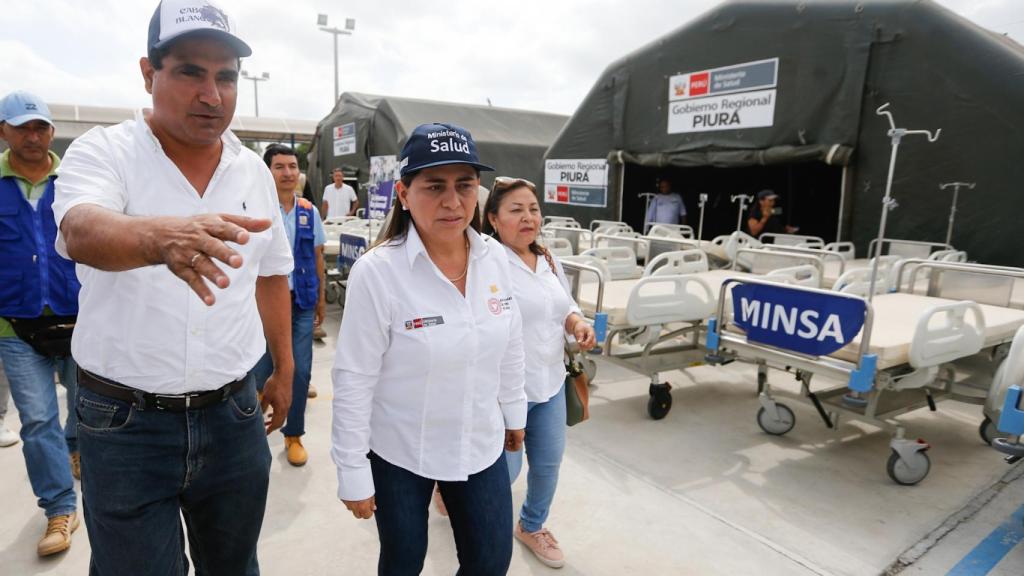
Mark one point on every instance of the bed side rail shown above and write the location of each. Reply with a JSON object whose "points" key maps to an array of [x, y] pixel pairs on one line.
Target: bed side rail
{"points": [[947, 332], [985, 284], [657, 300]]}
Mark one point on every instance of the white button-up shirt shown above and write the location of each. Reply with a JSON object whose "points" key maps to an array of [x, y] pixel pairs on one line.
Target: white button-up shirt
{"points": [[426, 378], [145, 328], [544, 303]]}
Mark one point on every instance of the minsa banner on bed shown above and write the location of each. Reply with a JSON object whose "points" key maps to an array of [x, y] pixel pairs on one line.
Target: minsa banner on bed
{"points": [[797, 320], [352, 247]]}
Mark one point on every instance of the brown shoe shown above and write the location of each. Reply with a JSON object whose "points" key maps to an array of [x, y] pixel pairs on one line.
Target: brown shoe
{"points": [[76, 465], [311, 393], [297, 455], [58, 534], [319, 333]]}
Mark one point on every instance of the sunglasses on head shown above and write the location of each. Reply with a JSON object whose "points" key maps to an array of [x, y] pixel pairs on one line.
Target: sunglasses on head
{"points": [[510, 182]]}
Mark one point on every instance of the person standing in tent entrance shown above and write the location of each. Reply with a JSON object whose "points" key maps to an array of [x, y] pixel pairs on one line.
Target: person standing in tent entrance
{"points": [[306, 283], [512, 215], [666, 207], [428, 373], [339, 198], [763, 218]]}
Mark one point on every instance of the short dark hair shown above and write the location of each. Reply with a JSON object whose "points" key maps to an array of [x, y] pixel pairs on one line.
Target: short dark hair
{"points": [[278, 150]]}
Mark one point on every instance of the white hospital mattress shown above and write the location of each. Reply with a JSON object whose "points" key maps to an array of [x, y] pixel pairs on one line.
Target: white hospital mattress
{"points": [[896, 317], [616, 293]]}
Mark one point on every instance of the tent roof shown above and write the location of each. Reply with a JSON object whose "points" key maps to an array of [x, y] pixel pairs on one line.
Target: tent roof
{"points": [[487, 123]]}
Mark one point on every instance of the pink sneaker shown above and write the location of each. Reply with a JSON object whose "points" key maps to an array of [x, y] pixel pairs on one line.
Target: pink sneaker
{"points": [[543, 545]]}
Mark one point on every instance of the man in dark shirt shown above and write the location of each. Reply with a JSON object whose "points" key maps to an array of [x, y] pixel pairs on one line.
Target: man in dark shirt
{"points": [[762, 216]]}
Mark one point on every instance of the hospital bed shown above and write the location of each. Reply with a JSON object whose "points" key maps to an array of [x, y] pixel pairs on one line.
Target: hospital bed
{"points": [[901, 360], [355, 234], [1008, 405], [564, 220], [671, 231], [578, 237], [655, 323], [801, 240]]}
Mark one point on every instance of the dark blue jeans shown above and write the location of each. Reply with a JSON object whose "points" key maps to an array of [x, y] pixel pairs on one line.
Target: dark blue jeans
{"points": [[302, 352], [144, 469], [479, 509]]}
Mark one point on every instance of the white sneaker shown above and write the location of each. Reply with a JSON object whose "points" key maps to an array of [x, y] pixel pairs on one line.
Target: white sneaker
{"points": [[7, 437]]}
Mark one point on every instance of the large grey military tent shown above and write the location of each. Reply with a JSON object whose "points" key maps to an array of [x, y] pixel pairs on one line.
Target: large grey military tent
{"points": [[364, 125], [783, 95]]}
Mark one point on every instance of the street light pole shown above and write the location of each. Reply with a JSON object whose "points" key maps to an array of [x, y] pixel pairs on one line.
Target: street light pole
{"points": [[350, 25], [256, 86]]}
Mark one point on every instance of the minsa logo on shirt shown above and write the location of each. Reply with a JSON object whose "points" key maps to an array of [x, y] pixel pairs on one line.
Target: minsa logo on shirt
{"points": [[424, 322], [303, 220], [499, 305]]}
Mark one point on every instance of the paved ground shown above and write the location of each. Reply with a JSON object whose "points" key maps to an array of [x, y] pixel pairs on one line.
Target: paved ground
{"points": [[703, 491]]}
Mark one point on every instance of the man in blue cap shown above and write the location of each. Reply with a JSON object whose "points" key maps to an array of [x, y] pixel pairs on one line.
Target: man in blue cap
{"points": [[184, 263], [38, 304]]}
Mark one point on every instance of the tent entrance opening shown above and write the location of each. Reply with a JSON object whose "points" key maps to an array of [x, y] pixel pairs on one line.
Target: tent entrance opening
{"points": [[809, 195]]}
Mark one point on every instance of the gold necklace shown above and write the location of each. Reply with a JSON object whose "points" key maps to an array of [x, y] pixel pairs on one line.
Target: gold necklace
{"points": [[463, 275]]}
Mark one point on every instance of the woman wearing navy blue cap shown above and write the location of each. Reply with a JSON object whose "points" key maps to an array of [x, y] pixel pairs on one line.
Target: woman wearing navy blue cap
{"points": [[429, 373]]}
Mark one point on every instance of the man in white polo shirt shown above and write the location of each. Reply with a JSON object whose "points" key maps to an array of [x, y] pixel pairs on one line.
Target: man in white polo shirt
{"points": [[184, 265], [339, 198]]}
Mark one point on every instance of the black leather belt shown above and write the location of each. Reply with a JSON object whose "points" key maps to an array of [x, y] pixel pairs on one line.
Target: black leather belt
{"points": [[149, 401]]}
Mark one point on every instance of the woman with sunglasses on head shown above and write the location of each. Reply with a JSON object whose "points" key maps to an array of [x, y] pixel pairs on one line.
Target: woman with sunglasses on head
{"points": [[512, 215], [428, 373]]}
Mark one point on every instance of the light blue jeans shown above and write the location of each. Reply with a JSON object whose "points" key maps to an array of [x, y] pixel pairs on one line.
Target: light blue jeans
{"points": [[44, 444], [5, 392], [545, 444]]}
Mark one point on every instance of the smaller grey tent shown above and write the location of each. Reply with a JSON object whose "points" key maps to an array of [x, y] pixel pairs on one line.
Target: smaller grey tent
{"points": [[365, 125]]}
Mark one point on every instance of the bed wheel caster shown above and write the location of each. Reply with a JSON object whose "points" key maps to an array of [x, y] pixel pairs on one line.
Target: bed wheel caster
{"points": [[988, 431], [332, 293], [908, 463], [660, 402], [778, 421]]}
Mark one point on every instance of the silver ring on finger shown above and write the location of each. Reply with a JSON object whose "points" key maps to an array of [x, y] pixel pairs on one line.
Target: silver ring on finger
{"points": [[195, 258]]}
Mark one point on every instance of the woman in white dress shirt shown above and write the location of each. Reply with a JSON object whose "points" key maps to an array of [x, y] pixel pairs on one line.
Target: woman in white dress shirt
{"points": [[428, 373], [512, 215]]}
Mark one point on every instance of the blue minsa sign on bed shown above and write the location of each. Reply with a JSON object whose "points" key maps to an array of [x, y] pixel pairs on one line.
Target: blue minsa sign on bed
{"points": [[802, 321], [352, 247]]}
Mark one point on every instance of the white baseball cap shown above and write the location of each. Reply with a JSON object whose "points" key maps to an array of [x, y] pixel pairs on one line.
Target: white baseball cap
{"points": [[174, 19]]}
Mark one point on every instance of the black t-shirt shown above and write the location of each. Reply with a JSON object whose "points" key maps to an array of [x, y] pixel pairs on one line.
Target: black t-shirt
{"points": [[773, 225]]}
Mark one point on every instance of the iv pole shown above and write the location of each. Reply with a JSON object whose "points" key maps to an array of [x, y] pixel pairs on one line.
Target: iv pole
{"points": [[888, 203], [702, 200], [647, 196], [956, 186], [744, 199]]}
